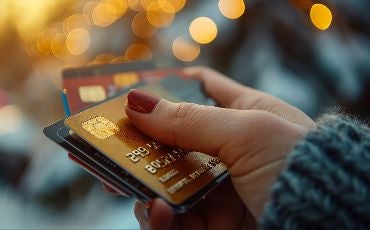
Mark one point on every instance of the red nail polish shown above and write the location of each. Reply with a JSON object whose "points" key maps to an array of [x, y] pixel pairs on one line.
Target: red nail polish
{"points": [[141, 101]]}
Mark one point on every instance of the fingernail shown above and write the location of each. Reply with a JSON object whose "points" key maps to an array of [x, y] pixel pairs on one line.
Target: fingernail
{"points": [[147, 210], [141, 101]]}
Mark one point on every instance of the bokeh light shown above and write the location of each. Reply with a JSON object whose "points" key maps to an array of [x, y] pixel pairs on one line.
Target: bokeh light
{"points": [[120, 5], [88, 9], [176, 4], [135, 5], [160, 15], [185, 49], [141, 26], [44, 40], [105, 13], [321, 16], [231, 9], [102, 59], [138, 51], [76, 21], [78, 40], [203, 30], [58, 46], [145, 3], [10, 119]]}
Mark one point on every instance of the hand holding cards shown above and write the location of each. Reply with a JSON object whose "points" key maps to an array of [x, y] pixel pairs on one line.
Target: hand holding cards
{"points": [[103, 140]]}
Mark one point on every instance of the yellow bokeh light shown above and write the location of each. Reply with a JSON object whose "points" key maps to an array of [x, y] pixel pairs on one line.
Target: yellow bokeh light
{"points": [[141, 27], [135, 5], [88, 9], [232, 9], [58, 46], [78, 40], [185, 49], [137, 51], [120, 5], [104, 14], [203, 30], [102, 59], [160, 15], [321, 16], [75, 21], [176, 4], [145, 3], [44, 40]]}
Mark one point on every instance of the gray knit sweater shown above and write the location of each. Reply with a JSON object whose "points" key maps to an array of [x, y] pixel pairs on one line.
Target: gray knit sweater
{"points": [[327, 182]]}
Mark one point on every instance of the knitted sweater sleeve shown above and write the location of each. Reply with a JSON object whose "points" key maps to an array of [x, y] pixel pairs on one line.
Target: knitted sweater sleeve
{"points": [[327, 181]]}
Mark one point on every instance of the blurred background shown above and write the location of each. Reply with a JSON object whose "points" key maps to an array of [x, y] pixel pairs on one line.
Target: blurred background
{"points": [[313, 54]]}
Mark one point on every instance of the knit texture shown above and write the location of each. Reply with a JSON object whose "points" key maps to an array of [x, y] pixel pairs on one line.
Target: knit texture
{"points": [[327, 181]]}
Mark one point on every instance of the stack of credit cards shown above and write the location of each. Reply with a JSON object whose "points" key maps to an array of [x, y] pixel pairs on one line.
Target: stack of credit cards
{"points": [[100, 138]]}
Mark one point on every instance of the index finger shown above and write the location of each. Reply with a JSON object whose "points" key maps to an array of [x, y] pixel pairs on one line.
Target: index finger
{"points": [[231, 94], [221, 88]]}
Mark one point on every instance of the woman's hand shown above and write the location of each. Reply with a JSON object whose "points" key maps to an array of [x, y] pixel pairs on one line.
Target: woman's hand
{"points": [[252, 135], [221, 209]]}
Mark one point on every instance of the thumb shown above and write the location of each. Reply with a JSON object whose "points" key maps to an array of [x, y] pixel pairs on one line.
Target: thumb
{"points": [[206, 129]]}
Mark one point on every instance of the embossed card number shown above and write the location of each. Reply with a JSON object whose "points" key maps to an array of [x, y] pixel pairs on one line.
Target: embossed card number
{"points": [[135, 155], [161, 162]]}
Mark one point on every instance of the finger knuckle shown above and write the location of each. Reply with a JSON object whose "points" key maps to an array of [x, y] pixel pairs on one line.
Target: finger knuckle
{"points": [[180, 113], [180, 118]]}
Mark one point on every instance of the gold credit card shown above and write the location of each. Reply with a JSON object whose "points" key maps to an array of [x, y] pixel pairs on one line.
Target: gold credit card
{"points": [[172, 173]]}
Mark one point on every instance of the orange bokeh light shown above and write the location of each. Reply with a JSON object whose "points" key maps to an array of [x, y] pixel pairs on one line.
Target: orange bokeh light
{"points": [[78, 40], [203, 30], [160, 15], [141, 27], [76, 21], [232, 9], [137, 51], [58, 46], [321, 16], [185, 49], [135, 5], [176, 4], [108, 11]]}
